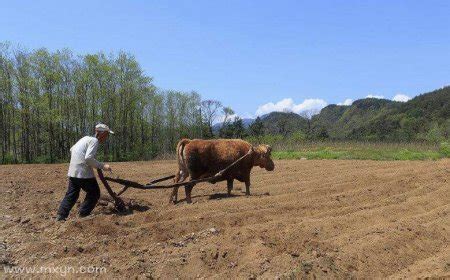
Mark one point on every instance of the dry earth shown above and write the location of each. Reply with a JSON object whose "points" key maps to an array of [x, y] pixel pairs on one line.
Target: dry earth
{"points": [[333, 219]]}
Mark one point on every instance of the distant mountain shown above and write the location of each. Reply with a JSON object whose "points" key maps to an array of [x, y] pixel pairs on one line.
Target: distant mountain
{"points": [[340, 120], [275, 123], [247, 122], [383, 119], [368, 119], [283, 123]]}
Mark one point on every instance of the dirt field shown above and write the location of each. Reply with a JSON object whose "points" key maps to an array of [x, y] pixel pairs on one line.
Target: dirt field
{"points": [[307, 218]]}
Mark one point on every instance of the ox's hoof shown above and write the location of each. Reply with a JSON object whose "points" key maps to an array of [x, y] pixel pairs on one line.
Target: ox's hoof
{"points": [[172, 201]]}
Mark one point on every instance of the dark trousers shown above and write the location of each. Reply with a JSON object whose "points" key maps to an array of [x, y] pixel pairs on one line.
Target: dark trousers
{"points": [[90, 186]]}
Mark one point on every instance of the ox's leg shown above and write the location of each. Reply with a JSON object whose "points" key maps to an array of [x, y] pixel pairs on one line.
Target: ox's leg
{"points": [[229, 186], [179, 177], [247, 187], [188, 190], [174, 196]]}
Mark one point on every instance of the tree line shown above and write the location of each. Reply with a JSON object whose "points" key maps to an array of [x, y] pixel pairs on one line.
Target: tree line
{"points": [[48, 100], [51, 99]]}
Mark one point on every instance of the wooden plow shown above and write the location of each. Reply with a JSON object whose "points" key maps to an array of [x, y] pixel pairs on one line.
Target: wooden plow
{"points": [[153, 185]]}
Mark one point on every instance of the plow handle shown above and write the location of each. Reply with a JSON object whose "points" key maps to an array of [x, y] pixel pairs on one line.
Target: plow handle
{"points": [[119, 204]]}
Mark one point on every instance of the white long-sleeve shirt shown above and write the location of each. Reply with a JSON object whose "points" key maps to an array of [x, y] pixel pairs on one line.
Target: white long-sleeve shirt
{"points": [[82, 160]]}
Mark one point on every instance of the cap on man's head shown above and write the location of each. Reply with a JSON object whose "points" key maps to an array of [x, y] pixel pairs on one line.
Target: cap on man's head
{"points": [[103, 127]]}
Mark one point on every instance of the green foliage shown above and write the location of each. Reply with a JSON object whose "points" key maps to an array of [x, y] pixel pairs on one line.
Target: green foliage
{"points": [[434, 134], [297, 137], [321, 134], [444, 149], [256, 129], [48, 100], [233, 129], [426, 117], [283, 123], [51, 99], [8, 159]]}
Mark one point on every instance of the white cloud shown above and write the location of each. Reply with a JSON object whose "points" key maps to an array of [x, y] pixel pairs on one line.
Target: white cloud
{"points": [[346, 102], [229, 118], [401, 98], [288, 105], [312, 104], [375, 96], [280, 106]]}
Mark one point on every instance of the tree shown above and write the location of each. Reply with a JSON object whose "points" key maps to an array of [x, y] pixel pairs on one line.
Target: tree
{"points": [[210, 110], [225, 130], [257, 128], [227, 112], [238, 128], [234, 129], [308, 114]]}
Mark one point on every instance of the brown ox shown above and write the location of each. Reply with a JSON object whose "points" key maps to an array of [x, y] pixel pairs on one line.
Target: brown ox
{"points": [[204, 158]]}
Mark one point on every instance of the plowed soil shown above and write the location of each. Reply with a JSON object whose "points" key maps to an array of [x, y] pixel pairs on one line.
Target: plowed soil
{"points": [[326, 219]]}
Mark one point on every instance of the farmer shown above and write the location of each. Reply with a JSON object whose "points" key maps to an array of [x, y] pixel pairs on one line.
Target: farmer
{"points": [[81, 173]]}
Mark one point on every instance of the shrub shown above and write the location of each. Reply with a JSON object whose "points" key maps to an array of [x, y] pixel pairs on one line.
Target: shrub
{"points": [[8, 159], [444, 149]]}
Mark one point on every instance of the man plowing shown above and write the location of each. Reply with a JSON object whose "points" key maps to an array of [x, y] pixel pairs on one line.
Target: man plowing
{"points": [[81, 173]]}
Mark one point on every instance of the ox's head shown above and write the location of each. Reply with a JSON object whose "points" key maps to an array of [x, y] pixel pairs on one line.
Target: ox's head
{"points": [[262, 158]]}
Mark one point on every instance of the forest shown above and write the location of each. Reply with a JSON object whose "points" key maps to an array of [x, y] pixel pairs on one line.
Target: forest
{"points": [[50, 99]]}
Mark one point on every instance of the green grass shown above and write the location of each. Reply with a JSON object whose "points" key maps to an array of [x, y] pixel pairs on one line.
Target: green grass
{"points": [[373, 151]]}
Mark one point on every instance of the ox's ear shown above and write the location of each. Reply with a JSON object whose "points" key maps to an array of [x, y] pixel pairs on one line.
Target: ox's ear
{"points": [[263, 150], [266, 150]]}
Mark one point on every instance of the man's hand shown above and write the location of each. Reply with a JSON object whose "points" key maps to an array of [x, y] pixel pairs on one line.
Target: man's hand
{"points": [[106, 167]]}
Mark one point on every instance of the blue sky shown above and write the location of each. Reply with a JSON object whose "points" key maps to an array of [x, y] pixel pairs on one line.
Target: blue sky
{"points": [[255, 56]]}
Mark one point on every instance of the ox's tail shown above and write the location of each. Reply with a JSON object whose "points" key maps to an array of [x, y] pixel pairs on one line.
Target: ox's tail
{"points": [[183, 171]]}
